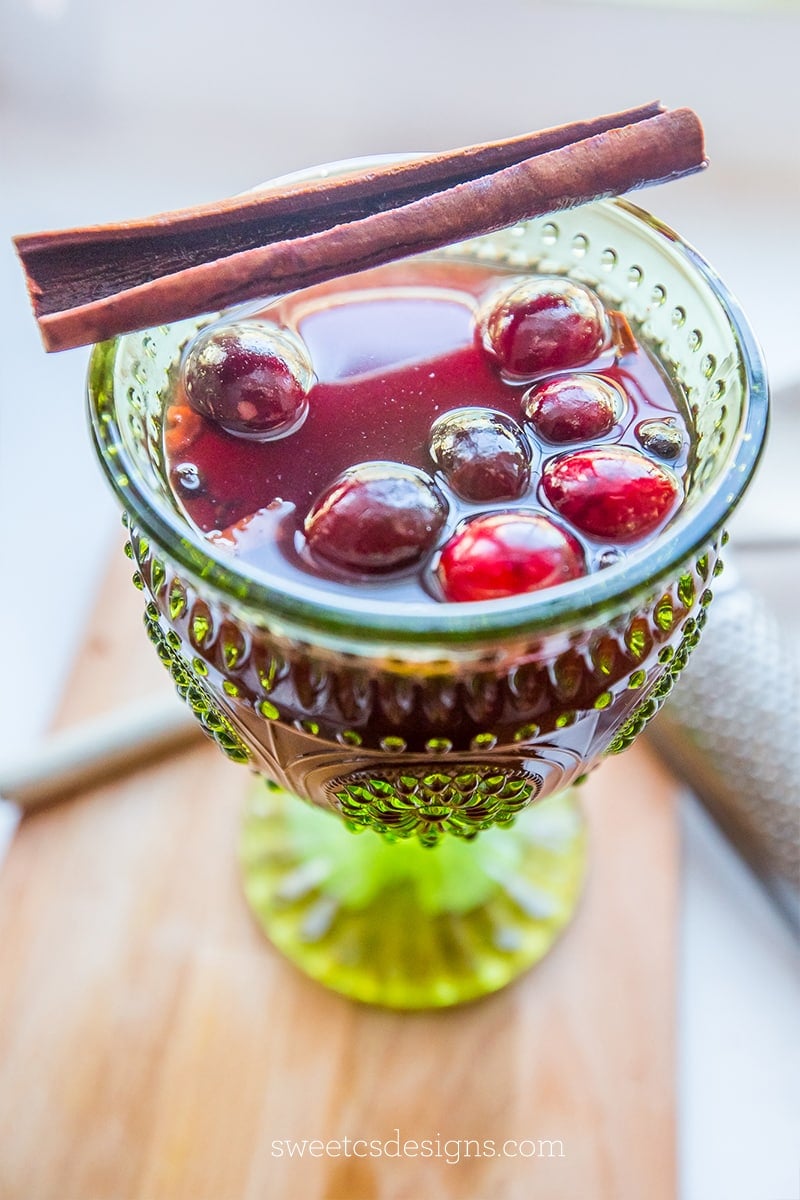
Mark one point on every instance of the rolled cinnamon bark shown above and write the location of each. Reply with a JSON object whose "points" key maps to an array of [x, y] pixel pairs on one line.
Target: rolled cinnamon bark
{"points": [[87, 285], [104, 259]]}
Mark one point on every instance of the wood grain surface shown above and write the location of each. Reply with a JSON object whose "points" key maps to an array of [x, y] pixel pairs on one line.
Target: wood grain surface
{"points": [[154, 1047]]}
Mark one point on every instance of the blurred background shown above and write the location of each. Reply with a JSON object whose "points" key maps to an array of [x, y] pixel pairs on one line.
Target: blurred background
{"points": [[110, 111]]}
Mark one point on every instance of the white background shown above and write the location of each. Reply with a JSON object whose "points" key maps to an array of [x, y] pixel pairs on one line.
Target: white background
{"points": [[109, 111]]}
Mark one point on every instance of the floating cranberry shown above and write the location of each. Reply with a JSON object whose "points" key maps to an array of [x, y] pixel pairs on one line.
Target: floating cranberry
{"points": [[574, 408], [662, 438], [610, 492], [506, 554], [544, 324], [251, 378], [483, 454], [376, 517]]}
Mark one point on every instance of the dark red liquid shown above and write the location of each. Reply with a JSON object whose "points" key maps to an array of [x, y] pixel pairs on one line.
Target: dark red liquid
{"points": [[393, 349]]}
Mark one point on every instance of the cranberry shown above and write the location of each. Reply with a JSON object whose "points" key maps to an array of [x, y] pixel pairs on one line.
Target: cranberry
{"points": [[252, 378], [544, 324], [574, 408], [483, 454], [662, 438], [376, 517], [612, 492], [505, 554]]}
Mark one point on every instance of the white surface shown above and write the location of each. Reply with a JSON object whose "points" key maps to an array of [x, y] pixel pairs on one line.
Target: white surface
{"points": [[111, 111], [739, 1004]]}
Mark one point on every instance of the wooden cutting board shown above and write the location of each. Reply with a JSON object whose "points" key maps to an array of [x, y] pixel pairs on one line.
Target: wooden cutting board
{"points": [[154, 1046]]}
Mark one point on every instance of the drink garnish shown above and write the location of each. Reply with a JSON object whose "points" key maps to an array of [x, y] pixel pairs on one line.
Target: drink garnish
{"points": [[90, 284]]}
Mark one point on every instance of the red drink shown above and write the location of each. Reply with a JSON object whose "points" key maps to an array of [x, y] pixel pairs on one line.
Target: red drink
{"points": [[397, 355], [393, 352]]}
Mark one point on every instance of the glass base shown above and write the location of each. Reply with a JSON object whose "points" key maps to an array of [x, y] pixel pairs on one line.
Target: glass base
{"points": [[407, 926]]}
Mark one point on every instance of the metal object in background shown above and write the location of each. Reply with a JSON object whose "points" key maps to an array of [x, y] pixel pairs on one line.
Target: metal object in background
{"points": [[95, 751], [731, 730]]}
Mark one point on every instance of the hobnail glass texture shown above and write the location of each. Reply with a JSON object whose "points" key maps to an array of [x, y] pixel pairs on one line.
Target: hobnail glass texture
{"points": [[441, 721]]}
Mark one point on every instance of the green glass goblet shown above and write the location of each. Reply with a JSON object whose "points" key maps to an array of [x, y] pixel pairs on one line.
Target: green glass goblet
{"points": [[441, 850]]}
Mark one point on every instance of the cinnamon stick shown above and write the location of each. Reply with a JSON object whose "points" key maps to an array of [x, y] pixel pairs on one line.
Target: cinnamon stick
{"points": [[77, 265], [90, 284]]}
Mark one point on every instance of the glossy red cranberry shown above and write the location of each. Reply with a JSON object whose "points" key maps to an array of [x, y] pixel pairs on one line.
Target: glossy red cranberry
{"points": [[483, 454], [544, 324], [506, 554], [574, 408], [251, 378], [662, 438], [376, 517], [610, 492]]}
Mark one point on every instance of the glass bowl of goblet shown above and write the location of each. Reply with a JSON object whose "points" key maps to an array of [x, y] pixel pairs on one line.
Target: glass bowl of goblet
{"points": [[415, 839]]}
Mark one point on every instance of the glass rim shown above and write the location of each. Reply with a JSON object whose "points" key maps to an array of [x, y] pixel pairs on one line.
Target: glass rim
{"points": [[311, 608]]}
